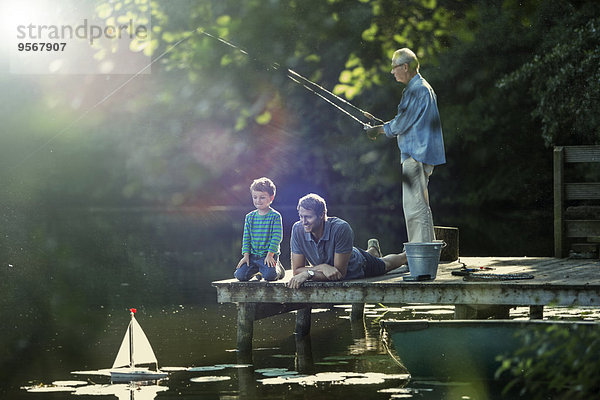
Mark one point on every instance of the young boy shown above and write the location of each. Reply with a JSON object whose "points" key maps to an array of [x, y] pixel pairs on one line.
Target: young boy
{"points": [[263, 231]]}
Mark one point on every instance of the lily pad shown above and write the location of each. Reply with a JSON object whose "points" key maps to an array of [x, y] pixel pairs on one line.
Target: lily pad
{"points": [[174, 369], [283, 356], [47, 389], [402, 377], [276, 372], [69, 383], [334, 378], [206, 368], [330, 376], [340, 362], [274, 381], [362, 381], [204, 379], [269, 370], [234, 365], [282, 373], [395, 390]]}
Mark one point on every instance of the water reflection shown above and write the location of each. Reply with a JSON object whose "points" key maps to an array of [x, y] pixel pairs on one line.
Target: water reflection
{"points": [[304, 359], [123, 391], [130, 391], [343, 358], [73, 275]]}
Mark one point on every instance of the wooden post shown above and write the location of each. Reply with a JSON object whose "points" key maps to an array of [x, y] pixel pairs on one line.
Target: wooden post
{"points": [[245, 326], [450, 236], [536, 312], [304, 360], [303, 321], [246, 380], [358, 312], [559, 159], [357, 321]]}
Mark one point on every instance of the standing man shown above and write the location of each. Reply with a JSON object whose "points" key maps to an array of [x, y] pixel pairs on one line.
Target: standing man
{"points": [[322, 248], [418, 130]]}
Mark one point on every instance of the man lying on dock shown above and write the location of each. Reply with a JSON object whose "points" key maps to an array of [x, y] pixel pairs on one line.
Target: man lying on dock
{"points": [[327, 244]]}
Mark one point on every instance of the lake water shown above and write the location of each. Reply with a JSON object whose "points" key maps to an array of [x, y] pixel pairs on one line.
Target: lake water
{"points": [[71, 277]]}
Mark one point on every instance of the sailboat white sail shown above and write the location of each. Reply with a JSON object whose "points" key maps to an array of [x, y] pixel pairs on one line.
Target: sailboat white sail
{"points": [[135, 350]]}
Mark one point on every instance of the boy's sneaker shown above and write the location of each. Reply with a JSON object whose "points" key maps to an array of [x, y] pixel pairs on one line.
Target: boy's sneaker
{"points": [[257, 275]]}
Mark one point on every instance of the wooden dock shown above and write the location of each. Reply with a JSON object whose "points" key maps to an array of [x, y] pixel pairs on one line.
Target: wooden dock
{"points": [[556, 282]]}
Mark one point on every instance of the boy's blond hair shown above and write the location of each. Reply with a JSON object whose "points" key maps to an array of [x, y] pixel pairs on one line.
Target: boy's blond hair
{"points": [[264, 185]]}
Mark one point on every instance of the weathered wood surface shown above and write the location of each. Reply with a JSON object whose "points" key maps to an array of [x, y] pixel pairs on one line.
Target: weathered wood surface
{"points": [[450, 236], [567, 192], [560, 282]]}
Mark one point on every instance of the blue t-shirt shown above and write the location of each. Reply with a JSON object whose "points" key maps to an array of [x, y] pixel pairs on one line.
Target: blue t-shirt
{"points": [[337, 238], [417, 125]]}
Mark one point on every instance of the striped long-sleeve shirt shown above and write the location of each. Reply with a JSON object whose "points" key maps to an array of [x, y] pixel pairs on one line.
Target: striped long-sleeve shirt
{"points": [[262, 233]]}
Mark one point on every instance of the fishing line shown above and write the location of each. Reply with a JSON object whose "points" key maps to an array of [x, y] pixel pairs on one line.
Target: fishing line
{"points": [[103, 100], [291, 74], [329, 101], [365, 113]]}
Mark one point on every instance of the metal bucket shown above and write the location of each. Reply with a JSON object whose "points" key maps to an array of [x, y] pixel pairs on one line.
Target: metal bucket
{"points": [[423, 258]]}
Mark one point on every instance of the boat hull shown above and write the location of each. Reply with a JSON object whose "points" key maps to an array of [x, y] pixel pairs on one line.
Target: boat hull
{"points": [[456, 349], [136, 374]]}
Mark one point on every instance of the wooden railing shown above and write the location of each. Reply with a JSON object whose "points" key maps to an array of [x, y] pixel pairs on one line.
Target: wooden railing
{"points": [[565, 193]]}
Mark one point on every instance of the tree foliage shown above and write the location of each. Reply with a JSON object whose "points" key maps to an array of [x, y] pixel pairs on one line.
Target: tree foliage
{"points": [[215, 116], [558, 361], [564, 81]]}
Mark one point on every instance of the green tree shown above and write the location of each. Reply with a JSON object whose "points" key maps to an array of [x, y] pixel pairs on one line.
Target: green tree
{"points": [[557, 361], [498, 156], [564, 81], [239, 116]]}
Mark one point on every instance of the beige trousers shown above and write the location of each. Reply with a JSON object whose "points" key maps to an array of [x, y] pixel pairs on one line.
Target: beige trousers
{"points": [[415, 200]]}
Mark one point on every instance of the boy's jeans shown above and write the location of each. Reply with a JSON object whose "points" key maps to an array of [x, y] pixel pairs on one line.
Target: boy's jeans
{"points": [[257, 264]]}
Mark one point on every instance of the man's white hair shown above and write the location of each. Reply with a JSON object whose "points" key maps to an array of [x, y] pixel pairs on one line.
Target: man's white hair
{"points": [[406, 56]]}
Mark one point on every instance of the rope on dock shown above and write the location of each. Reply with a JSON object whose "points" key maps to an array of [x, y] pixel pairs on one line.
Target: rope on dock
{"points": [[479, 277]]}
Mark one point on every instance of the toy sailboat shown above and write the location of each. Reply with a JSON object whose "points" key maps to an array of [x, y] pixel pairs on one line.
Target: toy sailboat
{"points": [[135, 350]]}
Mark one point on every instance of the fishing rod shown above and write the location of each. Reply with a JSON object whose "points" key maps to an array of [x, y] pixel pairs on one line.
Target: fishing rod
{"points": [[327, 100], [297, 78], [365, 113]]}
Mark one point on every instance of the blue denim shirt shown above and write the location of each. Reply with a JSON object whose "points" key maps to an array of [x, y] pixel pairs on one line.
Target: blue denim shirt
{"points": [[337, 238], [417, 126]]}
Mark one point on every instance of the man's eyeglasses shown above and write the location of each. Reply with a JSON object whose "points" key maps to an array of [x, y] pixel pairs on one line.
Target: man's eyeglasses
{"points": [[396, 66]]}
